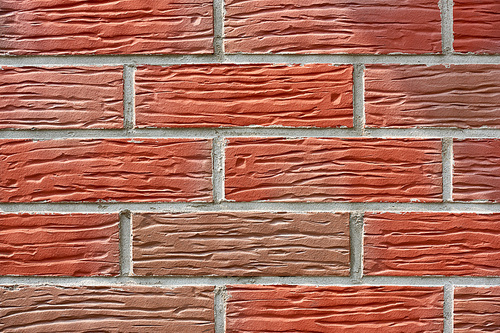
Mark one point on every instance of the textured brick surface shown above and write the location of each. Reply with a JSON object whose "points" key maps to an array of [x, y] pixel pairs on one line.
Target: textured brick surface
{"points": [[442, 96], [323, 26], [314, 95], [241, 244], [334, 309], [412, 244], [315, 169], [61, 97], [476, 173], [106, 27], [476, 26], [476, 309], [45, 309], [106, 169], [76, 244]]}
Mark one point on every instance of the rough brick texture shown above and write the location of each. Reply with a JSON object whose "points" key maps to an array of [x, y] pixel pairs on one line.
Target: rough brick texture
{"points": [[240, 95], [476, 26], [104, 170], [476, 170], [45, 309], [59, 244], [323, 26], [61, 97], [106, 27], [477, 309], [334, 309], [241, 244], [462, 96], [411, 244], [315, 169]]}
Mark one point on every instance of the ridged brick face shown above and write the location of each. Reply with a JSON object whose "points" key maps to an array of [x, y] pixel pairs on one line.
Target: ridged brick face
{"points": [[250, 166], [241, 95], [105, 27], [61, 97]]}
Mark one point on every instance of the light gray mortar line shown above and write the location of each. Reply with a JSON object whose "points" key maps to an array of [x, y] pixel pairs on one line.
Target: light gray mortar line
{"points": [[220, 298], [359, 99], [172, 281], [125, 243], [447, 164], [129, 97], [166, 133], [446, 26], [218, 169], [116, 207], [356, 246], [218, 18], [95, 60], [448, 308]]}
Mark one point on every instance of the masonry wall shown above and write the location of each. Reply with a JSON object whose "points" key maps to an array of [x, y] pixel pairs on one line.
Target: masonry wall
{"points": [[250, 166]]}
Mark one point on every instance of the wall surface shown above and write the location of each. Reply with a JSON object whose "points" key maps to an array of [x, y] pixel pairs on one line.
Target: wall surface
{"points": [[250, 166]]}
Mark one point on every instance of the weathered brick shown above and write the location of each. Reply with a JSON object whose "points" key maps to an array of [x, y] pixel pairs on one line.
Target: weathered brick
{"points": [[411, 244], [324, 26], [105, 169], [462, 96], [241, 244], [316, 95], [61, 97], [477, 309], [59, 244], [334, 309], [329, 169], [45, 309], [476, 169], [106, 27], [476, 26]]}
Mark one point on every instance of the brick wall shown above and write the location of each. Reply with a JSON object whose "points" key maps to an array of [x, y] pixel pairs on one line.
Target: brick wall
{"points": [[250, 166]]}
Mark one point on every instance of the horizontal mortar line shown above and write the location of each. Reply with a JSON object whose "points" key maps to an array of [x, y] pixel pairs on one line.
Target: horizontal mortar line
{"points": [[169, 59], [163, 133], [115, 207], [263, 280]]}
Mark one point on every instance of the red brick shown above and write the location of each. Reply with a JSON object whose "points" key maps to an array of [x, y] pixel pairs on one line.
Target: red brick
{"points": [[106, 27], [334, 309], [462, 96], [45, 309], [476, 169], [105, 170], [57, 244], [476, 26], [411, 244], [329, 169], [477, 309], [241, 244], [323, 26], [241, 95], [61, 97]]}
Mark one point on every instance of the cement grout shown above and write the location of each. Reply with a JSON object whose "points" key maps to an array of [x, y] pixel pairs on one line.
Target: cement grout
{"points": [[128, 97], [356, 246], [358, 99], [218, 172], [446, 7], [447, 163], [220, 298], [125, 243], [448, 308]]}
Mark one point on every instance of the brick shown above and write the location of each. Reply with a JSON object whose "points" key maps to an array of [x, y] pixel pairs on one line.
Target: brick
{"points": [[45, 309], [334, 309], [106, 27], [323, 26], [476, 170], [411, 244], [138, 170], [314, 95], [61, 97], [241, 244], [477, 309], [476, 26], [330, 169], [464, 96], [59, 244]]}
